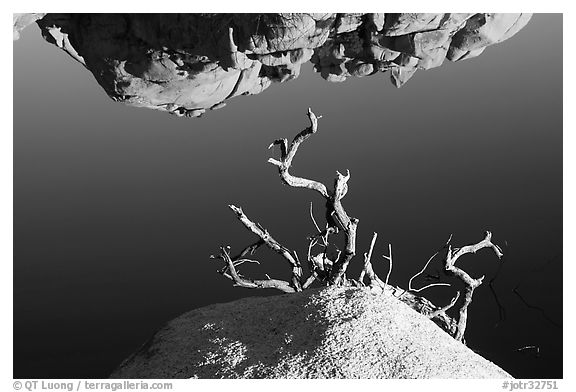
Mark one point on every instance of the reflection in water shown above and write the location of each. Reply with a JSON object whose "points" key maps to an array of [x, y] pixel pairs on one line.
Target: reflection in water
{"points": [[188, 63]]}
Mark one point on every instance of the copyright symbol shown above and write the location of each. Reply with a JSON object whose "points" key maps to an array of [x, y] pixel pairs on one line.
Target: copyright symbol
{"points": [[17, 385]]}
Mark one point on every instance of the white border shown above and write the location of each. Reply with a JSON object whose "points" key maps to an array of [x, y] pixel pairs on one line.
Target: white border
{"points": [[6, 166]]}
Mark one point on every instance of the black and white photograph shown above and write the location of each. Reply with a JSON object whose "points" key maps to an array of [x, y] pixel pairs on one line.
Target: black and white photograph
{"points": [[243, 195]]}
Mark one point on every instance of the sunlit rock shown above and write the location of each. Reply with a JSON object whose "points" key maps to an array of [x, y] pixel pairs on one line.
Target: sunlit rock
{"points": [[377, 21], [333, 332], [402, 24], [483, 30], [348, 22]]}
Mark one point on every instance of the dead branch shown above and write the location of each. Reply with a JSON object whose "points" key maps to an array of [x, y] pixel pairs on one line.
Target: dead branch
{"points": [[319, 265], [410, 288], [310, 280], [485, 243], [367, 257], [389, 258], [333, 199], [368, 271], [238, 259], [347, 224], [531, 348], [274, 245], [426, 308], [333, 271], [324, 240], [232, 274], [288, 153], [470, 283]]}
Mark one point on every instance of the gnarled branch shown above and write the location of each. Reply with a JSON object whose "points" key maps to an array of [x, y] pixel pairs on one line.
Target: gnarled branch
{"points": [[288, 153], [232, 274], [333, 270], [410, 288], [470, 283], [239, 258], [274, 245], [333, 199]]}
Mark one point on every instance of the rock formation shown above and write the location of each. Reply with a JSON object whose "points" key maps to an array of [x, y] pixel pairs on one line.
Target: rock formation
{"points": [[21, 21], [331, 332], [188, 63]]}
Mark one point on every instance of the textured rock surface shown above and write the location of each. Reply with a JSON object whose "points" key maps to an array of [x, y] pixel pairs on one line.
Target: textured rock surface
{"points": [[322, 333], [189, 63]]}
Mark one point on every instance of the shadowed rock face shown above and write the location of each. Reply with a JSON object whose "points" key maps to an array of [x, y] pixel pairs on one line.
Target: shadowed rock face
{"points": [[188, 63], [331, 332]]}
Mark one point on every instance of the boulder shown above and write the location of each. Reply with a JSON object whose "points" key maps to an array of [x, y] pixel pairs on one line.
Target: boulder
{"points": [[269, 33], [331, 332], [348, 22], [377, 21], [400, 75], [407, 23], [483, 30], [185, 63]]}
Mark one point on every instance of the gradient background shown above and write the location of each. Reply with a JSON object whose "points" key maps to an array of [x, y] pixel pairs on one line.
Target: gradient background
{"points": [[116, 209]]}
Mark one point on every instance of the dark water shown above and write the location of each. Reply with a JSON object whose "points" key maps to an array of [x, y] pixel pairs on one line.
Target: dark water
{"points": [[116, 209]]}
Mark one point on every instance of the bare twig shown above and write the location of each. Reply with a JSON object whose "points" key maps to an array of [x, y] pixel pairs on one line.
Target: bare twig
{"points": [[368, 271], [272, 244], [238, 259], [471, 284], [485, 243], [288, 153], [533, 348], [310, 280], [313, 241], [314, 220], [237, 263], [319, 265], [367, 263], [389, 258], [368, 256], [410, 288], [251, 283], [374, 236]]}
